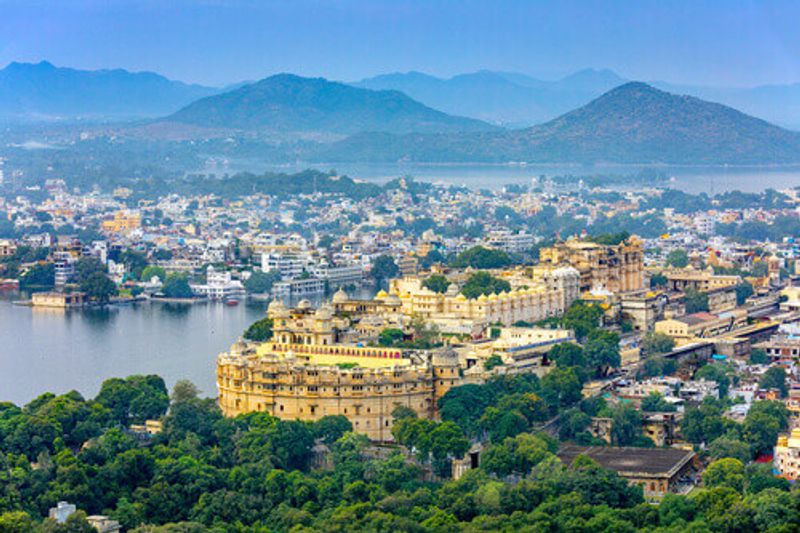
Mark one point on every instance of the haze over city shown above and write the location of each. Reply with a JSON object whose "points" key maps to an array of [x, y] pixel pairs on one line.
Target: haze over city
{"points": [[227, 41]]}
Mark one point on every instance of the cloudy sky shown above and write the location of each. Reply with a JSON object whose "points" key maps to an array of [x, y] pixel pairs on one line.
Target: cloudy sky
{"points": [[216, 42]]}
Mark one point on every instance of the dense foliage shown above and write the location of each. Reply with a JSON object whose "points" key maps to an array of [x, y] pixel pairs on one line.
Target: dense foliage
{"points": [[205, 472]]}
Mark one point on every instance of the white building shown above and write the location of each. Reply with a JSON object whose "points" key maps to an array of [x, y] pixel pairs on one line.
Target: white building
{"points": [[290, 266], [336, 276], [298, 288], [219, 285]]}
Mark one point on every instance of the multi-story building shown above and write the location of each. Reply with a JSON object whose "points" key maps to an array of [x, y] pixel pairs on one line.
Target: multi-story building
{"points": [[701, 325], [700, 280], [615, 268], [543, 297], [306, 372], [787, 455], [219, 285], [337, 276], [289, 265], [122, 222]]}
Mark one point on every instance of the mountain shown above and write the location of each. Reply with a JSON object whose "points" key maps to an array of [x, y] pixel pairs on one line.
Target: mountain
{"points": [[44, 91], [633, 123], [507, 98], [289, 103], [779, 104]]}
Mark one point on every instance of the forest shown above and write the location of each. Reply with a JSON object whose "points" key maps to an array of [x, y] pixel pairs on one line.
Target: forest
{"points": [[204, 472]]}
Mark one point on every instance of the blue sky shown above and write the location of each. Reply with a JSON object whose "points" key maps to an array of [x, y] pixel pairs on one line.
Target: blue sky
{"points": [[729, 42]]}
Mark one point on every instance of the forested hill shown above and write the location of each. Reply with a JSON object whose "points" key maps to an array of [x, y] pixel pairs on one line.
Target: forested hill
{"points": [[633, 123], [289, 103]]}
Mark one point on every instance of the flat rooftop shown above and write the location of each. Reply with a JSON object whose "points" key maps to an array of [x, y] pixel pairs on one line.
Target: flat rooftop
{"points": [[656, 462]]}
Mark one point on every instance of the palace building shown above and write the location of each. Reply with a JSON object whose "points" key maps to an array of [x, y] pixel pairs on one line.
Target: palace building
{"points": [[615, 268], [547, 294], [310, 369]]}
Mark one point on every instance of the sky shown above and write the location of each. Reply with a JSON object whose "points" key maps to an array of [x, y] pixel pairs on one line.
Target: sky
{"points": [[217, 42]]}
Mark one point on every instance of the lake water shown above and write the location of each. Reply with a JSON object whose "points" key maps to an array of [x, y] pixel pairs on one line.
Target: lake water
{"points": [[57, 351], [708, 179]]}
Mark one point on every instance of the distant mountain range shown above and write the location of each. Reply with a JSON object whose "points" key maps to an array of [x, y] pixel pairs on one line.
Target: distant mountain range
{"points": [[506, 98], [595, 116], [514, 99], [289, 103], [633, 123], [43, 91]]}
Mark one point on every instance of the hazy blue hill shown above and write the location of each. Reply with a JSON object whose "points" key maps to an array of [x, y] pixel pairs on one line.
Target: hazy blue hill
{"points": [[633, 123], [289, 103], [501, 97], [779, 104], [42, 90], [637, 122]]}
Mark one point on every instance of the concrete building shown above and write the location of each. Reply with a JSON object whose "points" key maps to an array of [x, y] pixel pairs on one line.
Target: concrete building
{"points": [[219, 285], [701, 325], [787, 455]]}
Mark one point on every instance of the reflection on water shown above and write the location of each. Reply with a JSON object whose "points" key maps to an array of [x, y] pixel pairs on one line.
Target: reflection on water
{"points": [[57, 350]]}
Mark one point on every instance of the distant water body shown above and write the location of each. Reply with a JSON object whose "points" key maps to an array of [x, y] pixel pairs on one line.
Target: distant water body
{"points": [[695, 180], [55, 350]]}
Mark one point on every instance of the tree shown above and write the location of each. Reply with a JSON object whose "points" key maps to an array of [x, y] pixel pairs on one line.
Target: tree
{"points": [[390, 337], [744, 291], [626, 426], [561, 387], [260, 330], [602, 351], [483, 283], [98, 287], [135, 398], [134, 261], [331, 428], [655, 402], [437, 283], [657, 343], [716, 372], [677, 258], [493, 361], [184, 391], [86, 267], [39, 276], [582, 318], [730, 445], [177, 286], [483, 258], [151, 271], [383, 268], [261, 282], [758, 357], [567, 354], [727, 472], [775, 378], [695, 301], [658, 280], [516, 455]]}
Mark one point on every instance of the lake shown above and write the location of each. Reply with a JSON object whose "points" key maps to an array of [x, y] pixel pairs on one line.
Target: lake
{"points": [[55, 350], [691, 179]]}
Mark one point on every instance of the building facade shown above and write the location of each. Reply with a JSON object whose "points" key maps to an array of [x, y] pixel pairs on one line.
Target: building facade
{"points": [[614, 268], [307, 372]]}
